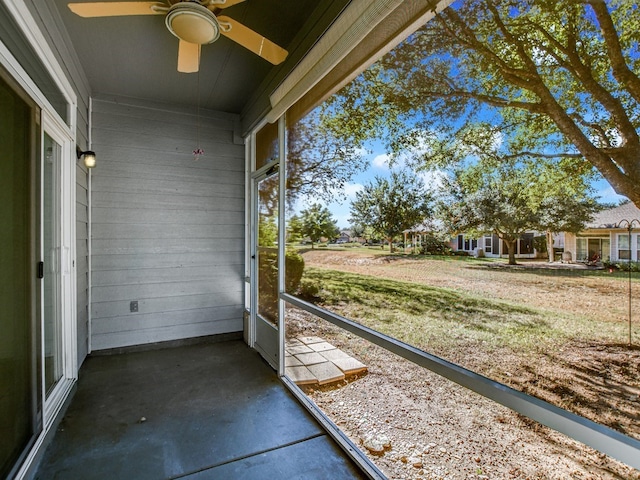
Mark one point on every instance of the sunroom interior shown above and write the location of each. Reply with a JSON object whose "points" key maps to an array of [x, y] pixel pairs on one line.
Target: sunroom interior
{"points": [[157, 248]]}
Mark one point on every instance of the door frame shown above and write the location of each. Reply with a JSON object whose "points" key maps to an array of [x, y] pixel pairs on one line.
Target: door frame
{"points": [[261, 329], [275, 354], [66, 277]]}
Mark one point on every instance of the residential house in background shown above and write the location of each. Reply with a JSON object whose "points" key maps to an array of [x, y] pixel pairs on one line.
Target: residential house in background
{"points": [[607, 237], [492, 246], [344, 237]]}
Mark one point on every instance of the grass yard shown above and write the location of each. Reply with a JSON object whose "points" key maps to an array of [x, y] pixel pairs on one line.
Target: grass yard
{"points": [[558, 334]]}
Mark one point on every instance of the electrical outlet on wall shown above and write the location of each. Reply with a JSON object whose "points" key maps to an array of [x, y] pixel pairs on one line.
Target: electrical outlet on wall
{"points": [[133, 306]]}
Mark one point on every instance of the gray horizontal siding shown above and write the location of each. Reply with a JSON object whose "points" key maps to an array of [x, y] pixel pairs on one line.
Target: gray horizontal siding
{"points": [[165, 245], [163, 334], [165, 187], [152, 260], [120, 308], [167, 230], [82, 264], [144, 291], [155, 320], [143, 231], [162, 275]]}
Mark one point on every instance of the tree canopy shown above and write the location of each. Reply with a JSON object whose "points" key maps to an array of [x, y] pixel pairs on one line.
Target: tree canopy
{"points": [[391, 205], [511, 199], [315, 222], [320, 160], [550, 79]]}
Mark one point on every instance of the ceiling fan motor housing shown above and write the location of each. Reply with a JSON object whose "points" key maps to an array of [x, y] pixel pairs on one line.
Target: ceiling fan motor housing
{"points": [[193, 23]]}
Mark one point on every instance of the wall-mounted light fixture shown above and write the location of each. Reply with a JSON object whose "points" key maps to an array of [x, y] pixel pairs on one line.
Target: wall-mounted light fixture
{"points": [[89, 157]]}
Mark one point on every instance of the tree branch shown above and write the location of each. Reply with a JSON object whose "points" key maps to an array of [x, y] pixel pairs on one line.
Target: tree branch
{"points": [[541, 155], [595, 127], [525, 58], [517, 76], [621, 70], [613, 105], [533, 107]]}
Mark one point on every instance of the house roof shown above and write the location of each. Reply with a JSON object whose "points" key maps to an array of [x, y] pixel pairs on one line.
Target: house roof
{"points": [[616, 217], [428, 226]]}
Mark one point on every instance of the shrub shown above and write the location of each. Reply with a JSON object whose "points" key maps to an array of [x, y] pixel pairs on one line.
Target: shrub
{"points": [[294, 265], [268, 277], [309, 290], [622, 266], [432, 246]]}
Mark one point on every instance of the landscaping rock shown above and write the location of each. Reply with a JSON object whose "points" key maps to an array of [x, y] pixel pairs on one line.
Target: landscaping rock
{"points": [[376, 444]]}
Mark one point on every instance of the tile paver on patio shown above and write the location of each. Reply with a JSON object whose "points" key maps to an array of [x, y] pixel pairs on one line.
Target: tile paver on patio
{"points": [[326, 372], [310, 358], [309, 340], [314, 361], [321, 346], [301, 375], [296, 349]]}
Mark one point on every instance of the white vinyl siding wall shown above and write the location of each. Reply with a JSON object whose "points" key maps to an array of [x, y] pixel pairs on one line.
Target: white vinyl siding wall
{"points": [[167, 230]]}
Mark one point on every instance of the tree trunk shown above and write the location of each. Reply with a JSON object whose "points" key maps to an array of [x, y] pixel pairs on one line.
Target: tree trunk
{"points": [[511, 250], [549, 236], [390, 240]]}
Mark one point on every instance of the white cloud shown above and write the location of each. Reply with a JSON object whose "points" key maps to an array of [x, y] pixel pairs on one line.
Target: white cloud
{"points": [[351, 189], [433, 179], [362, 152], [381, 161]]}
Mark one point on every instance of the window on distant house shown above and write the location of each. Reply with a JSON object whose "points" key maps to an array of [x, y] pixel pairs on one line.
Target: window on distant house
{"points": [[624, 247], [581, 249]]}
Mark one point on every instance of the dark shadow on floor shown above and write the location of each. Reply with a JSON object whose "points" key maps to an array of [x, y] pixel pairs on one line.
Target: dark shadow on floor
{"points": [[205, 411]]}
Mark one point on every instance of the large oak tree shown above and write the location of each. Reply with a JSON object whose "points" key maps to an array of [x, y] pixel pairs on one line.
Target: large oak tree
{"points": [[509, 199], [556, 79]]}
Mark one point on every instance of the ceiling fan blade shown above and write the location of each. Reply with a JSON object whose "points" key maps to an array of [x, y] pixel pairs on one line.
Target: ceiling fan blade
{"points": [[114, 9], [188, 57], [252, 40], [222, 4]]}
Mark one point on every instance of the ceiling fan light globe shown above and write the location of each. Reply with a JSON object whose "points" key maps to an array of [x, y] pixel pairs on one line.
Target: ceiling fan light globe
{"points": [[193, 23]]}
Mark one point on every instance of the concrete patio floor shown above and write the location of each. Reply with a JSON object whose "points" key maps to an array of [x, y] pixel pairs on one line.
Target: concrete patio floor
{"points": [[204, 411]]}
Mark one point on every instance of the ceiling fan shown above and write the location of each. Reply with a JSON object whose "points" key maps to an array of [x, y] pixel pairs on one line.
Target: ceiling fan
{"points": [[194, 22]]}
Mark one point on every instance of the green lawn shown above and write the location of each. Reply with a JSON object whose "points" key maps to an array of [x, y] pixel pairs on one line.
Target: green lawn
{"points": [[435, 317]]}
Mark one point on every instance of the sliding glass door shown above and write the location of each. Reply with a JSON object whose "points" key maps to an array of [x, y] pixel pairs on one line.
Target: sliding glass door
{"points": [[19, 390], [37, 349], [51, 253]]}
